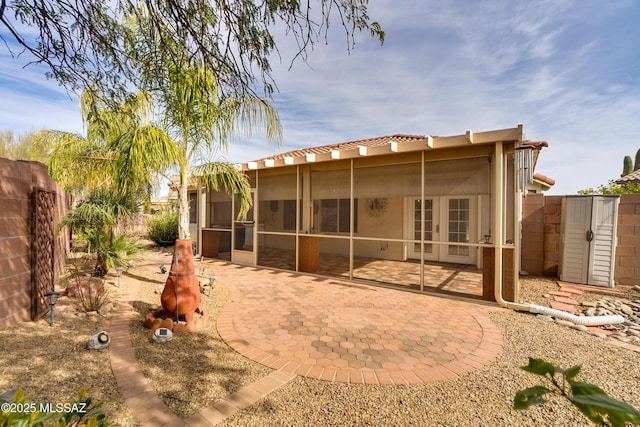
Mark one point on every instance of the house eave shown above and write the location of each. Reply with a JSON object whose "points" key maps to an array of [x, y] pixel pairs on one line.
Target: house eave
{"points": [[423, 143]]}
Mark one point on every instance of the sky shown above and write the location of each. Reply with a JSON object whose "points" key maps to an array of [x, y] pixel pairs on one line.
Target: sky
{"points": [[569, 71]]}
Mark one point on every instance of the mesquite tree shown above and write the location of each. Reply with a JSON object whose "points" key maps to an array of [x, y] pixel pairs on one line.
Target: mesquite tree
{"points": [[84, 43]]}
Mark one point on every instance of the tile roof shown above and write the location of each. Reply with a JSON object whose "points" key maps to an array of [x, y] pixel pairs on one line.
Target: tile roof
{"points": [[350, 145], [535, 144], [544, 179], [632, 177]]}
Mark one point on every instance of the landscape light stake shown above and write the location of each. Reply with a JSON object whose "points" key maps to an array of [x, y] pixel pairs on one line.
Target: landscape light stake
{"points": [[212, 281], [53, 298], [119, 271]]}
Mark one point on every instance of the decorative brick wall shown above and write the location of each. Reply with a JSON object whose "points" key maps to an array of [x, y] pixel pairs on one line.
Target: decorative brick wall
{"points": [[541, 246], [17, 181], [552, 244], [627, 267], [532, 249]]}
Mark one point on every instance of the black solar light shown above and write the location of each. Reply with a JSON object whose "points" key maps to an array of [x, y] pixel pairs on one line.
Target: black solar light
{"points": [[53, 299]]}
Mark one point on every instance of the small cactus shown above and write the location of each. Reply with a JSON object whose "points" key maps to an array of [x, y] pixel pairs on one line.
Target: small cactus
{"points": [[636, 165], [627, 167]]}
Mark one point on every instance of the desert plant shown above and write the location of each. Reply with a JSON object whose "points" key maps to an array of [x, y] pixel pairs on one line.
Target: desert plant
{"points": [[627, 166], [163, 227], [95, 219], [92, 298], [590, 399], [77, 412], [90, 290], [636, 164]]}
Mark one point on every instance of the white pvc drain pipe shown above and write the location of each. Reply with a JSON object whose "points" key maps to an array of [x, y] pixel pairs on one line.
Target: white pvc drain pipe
{"points": [[578, 320], [498, 199]]}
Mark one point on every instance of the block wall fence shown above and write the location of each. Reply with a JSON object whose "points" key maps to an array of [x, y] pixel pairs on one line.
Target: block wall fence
{"points": [[541, 245], [18, 179]]}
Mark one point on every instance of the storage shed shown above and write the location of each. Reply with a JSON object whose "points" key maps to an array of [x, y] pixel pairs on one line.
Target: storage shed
{"points": [[588, 239]]}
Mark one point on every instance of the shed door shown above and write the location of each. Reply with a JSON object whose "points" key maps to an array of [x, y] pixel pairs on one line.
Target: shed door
{"points": [[575, 251], [603, 245]]}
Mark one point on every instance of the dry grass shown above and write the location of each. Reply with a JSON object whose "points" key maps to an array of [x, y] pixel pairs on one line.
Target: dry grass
{"points": [[194, 370], [52, 364]]}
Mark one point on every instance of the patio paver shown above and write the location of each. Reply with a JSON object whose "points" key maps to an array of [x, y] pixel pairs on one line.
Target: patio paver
{"points": [[338, 331], [326, 329]]}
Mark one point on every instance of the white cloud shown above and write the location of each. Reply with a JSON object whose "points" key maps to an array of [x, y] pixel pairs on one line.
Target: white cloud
{"points": [[567, 70]]}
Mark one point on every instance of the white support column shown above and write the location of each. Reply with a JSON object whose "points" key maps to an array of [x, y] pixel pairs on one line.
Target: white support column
{"points": [[351, 222], [422, 223], [298, 207], [498, 209]]}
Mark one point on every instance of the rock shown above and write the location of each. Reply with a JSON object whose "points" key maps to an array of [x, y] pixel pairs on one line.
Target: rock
{"points": [[626, 309], [105, 309], [621, 338], [7, 396], [579, 327], [88, 286], [546, 296], [544, 317], [590, 311], [589, 304], [633, 332], [636, 288], [564, 322], [598, 334]]}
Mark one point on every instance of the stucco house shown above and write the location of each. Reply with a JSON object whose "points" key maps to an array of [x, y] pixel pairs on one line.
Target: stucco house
{"points": [[410, 201]]}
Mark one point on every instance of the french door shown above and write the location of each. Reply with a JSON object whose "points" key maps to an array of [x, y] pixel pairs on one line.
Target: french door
{"points": [[447, 219]]}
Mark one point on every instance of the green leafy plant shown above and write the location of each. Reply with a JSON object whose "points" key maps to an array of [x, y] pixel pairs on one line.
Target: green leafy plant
{"points": [[613, 188], [590, 399], [163, 227], [95, 219], [76, 412]]}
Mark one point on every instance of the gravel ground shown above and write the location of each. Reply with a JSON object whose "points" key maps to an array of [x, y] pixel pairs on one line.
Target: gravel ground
{"points": [[52, 364], [198, 369]]}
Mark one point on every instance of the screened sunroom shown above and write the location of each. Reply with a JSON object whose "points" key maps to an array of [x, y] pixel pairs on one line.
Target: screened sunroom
{"points": [[419, 212]]}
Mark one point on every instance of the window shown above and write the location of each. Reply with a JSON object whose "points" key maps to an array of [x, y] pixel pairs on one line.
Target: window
{"points": [[335, 215], [459, 226]]}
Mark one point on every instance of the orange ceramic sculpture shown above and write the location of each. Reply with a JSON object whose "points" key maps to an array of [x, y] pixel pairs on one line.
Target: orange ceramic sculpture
{"points": [[181, 294]]}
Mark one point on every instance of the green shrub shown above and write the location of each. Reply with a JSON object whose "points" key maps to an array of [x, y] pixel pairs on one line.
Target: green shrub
{"points": [[590, 399], [163, 227], [75, 412]]}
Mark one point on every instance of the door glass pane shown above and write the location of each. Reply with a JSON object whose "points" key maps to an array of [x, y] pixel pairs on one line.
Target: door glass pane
{"points": [[428, 225], [458, 226]]}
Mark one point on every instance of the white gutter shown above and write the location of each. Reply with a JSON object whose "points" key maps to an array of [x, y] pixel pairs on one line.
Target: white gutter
{"points": [[498, 239]]}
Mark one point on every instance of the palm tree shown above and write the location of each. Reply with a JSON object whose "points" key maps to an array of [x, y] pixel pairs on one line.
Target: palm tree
{"points": [[202, 122], [124, 149], [96, 218], [196, 113], [112, 151], [99, 170]]}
